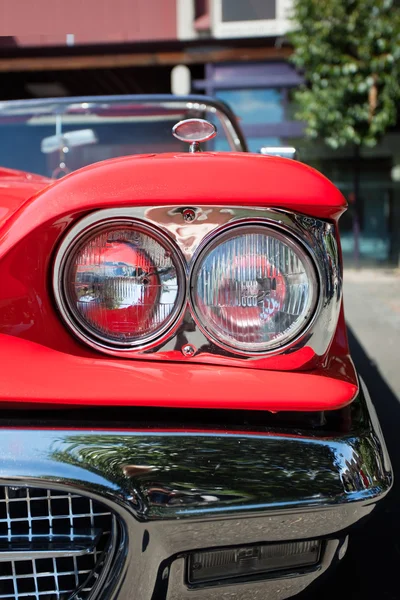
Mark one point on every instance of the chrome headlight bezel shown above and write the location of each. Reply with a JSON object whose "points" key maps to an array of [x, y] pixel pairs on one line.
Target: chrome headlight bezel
{"points": [[76, 237], [296, 244], [187, 237]]}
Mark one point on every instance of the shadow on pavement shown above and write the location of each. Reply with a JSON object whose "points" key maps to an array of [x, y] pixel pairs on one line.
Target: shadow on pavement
{"points": [[371, 567]]}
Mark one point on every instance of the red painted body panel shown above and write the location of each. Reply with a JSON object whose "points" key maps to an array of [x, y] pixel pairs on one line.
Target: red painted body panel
{"points": [[43, 363], [202, 178], [41, 375], [15, 188]]}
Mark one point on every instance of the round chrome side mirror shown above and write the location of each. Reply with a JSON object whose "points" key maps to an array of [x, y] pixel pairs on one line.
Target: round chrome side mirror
{"points": [[194, 131]]}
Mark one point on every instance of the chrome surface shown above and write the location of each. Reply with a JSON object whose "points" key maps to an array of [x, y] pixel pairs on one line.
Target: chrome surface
{"points": [[188, 350], [316, 236], [198, 105], [75, 320], [44, 548], [194, 147], [176, 492], [188, 215], [284, 151], [194, 131], [51, 546]]}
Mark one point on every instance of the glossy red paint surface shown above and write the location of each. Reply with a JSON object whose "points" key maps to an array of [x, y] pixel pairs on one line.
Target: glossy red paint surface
{"points": [[34, 374], [41, 362], [15, 188], [202, 178]]}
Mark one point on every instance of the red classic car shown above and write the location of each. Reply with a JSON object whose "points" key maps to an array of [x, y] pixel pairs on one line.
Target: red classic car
{"points": [[180, 416]]}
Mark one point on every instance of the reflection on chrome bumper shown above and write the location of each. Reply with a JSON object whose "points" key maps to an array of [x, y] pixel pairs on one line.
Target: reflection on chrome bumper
{"points": [[176, 492]]}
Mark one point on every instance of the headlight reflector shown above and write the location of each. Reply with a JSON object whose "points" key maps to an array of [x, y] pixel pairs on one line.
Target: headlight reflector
{"points": [[123, 284], [253, 288]]}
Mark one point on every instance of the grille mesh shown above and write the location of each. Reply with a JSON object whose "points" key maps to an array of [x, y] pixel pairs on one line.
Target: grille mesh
{"points": [[34, 514]]}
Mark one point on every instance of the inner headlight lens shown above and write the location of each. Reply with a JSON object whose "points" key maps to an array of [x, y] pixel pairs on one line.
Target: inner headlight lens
{"points": [[253, 288], [123, 284]]}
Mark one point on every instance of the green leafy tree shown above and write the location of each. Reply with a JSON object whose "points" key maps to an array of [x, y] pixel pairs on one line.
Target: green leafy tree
{"points": [[349, 51]]}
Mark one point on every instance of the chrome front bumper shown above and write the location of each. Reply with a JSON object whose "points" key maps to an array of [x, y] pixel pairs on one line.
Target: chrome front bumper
{"points": [[177, 491]]}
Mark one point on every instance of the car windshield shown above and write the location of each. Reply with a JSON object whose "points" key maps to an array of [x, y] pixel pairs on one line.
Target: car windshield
{"points": [[53, 137]]}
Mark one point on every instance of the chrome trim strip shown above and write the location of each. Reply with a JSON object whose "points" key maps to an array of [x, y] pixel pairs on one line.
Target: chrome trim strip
{"points": [[51, 546], [284, 151], [317, 236]]}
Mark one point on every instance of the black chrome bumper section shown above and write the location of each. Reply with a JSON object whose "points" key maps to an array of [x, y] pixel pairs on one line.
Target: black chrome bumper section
{"points": [[176, 492]]}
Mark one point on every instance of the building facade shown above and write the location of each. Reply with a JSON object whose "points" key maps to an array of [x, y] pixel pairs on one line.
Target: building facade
{"points": [[235, 50]]}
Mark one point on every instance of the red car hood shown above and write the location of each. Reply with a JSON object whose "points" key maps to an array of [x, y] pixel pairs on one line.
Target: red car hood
{"points": [[15, 188]]}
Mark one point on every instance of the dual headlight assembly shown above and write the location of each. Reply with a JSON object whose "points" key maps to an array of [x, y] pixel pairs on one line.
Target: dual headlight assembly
{"points": [[124, 284]]}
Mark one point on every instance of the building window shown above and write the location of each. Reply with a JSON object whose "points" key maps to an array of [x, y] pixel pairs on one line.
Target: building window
{"points": [[250, 18], [202, 21], [248, 10], [200, 8]]}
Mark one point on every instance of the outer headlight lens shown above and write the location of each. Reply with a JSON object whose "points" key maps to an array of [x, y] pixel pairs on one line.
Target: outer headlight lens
{"points": [[122, 284], [253, 288]]}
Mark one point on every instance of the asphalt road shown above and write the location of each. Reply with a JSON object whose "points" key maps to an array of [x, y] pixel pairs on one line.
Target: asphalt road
{"points": [[371, 567]]}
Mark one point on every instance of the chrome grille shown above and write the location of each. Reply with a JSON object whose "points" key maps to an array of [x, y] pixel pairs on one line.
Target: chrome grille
{"points": [[42, 521]]}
